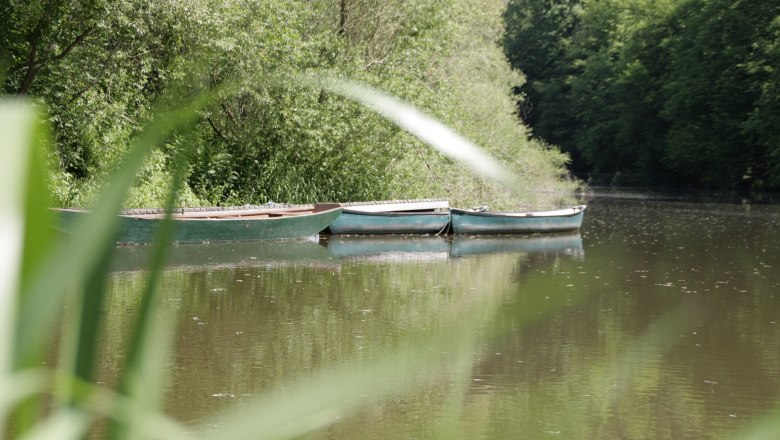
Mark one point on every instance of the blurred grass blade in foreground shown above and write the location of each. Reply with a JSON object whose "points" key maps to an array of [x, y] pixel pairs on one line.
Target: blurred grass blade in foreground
{"points": [[15, 134], [72, 258], [425, 128], [25, 229], [15, 126], [52, 267]]}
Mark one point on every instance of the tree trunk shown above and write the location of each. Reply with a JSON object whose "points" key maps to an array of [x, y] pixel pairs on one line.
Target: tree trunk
{"points": [[342, 17]]}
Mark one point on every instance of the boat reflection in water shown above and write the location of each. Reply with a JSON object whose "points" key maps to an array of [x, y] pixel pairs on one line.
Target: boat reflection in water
{"points": [[197, 256], [329, 252], [416, 248], [566, 243], [388, 247]]}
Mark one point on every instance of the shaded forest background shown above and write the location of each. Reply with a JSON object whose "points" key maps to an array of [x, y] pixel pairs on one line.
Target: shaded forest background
{"points": [[654, 92], [101, 66]]}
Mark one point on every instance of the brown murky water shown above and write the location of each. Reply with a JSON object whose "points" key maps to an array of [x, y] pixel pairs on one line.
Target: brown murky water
{"points": [[660, 319]]}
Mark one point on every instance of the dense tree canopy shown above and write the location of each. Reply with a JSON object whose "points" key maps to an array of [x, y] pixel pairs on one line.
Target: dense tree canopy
{"points": [[664, 92], [101, 66]]}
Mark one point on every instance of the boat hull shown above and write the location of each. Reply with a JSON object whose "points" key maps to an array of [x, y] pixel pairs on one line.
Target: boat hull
{"points": [[356, 222], [140, 230], [469, 222]]}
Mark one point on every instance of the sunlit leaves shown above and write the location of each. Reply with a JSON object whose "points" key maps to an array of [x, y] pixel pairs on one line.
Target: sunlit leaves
{"points": [[672, 92], [275, 140]]}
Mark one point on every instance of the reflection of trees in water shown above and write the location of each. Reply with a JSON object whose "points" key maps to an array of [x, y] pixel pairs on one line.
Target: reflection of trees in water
{"points": [[244, 330], [677, 331], [598, 347]]}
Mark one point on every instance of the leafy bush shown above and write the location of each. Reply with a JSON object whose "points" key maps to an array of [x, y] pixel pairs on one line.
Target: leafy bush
{"points": [[102, 66]]}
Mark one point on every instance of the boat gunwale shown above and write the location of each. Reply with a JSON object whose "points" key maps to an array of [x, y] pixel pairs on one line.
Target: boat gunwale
{"points": [[396, 213], [258, 213], [404, 205], [578, 209]]}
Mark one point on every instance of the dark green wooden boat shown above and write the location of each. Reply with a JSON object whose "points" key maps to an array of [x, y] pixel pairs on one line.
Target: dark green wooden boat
{"points": [[197, 225], [427, 216], [482, 222]]}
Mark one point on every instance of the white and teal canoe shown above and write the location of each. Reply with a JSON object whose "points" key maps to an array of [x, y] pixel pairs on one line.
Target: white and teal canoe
{"points": [[419, 216], [465, 221]]}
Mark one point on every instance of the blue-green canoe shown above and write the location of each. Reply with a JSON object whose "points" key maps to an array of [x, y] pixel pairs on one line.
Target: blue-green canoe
{"points": [[481, 222], [197, 225], [425, 216]]}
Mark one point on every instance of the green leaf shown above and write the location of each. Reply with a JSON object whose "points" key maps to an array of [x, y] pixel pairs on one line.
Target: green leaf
{"points": [[24, 223]]}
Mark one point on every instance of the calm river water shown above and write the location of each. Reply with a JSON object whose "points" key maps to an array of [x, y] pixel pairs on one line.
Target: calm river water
{"points": [[660, 319]]}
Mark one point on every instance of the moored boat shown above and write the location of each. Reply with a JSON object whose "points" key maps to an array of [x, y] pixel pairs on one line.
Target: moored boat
{"points": [[466, 221], [422, 216], [194, 225]]}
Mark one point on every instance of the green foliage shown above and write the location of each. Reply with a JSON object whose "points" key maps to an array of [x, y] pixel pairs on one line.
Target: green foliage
{"points": [[762, 125], [673, 92], [105, 64], [476, 104], [712, 94], [538, 42]]}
